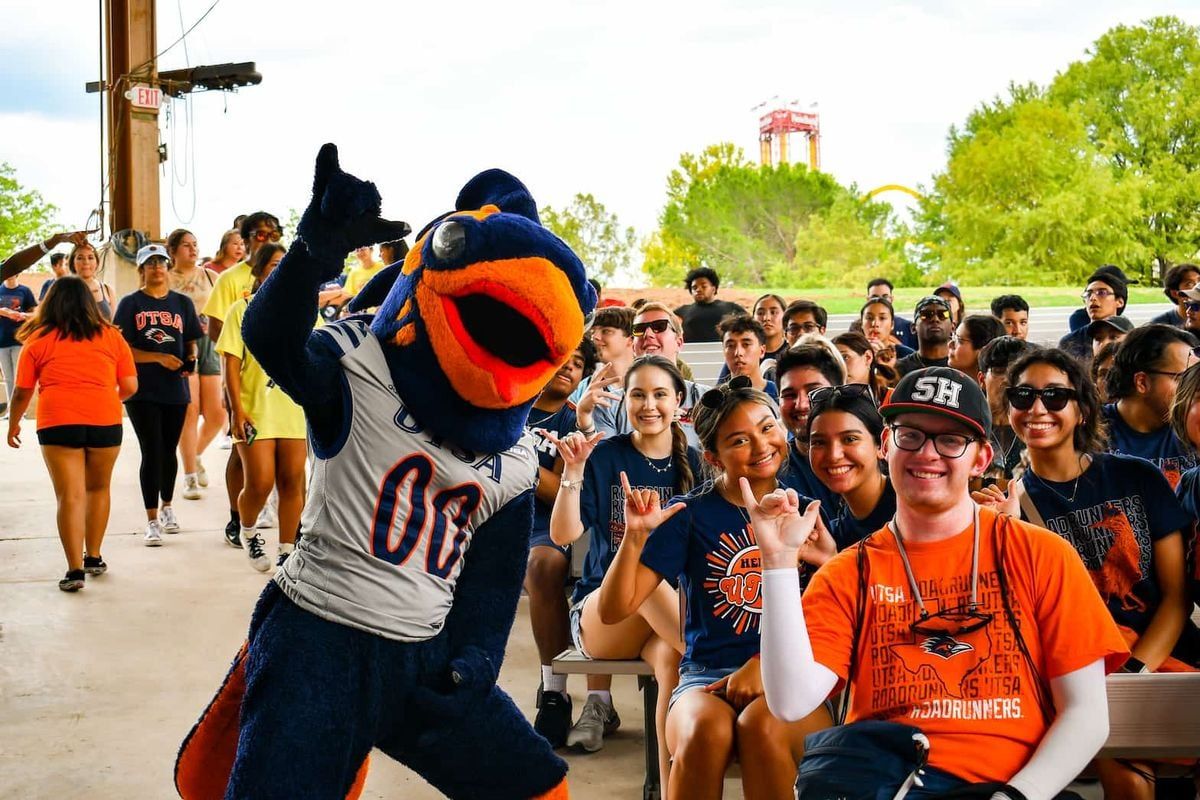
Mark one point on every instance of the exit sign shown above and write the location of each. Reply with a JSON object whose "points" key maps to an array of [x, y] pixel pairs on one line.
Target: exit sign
{"points": [[143, 96]]}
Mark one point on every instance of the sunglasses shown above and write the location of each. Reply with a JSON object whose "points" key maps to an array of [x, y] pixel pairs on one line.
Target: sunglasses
{"points": [[1054, 398], [263, 236], [808, 327], [952, 622], [658, 326], [819, 398], [937, 314], [1192, 307], [715, 398]]}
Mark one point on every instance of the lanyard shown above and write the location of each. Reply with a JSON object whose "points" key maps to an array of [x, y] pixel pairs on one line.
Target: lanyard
{"points": [[894, 527]]}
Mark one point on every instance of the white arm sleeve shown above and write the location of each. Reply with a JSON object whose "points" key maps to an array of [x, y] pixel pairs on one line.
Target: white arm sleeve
{"points": [[1079, 730], [795, 683]]}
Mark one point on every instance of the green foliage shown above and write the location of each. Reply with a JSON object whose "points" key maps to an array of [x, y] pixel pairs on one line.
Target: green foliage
{"points": [[24, 216], [785, 225], [594, 234], [1101, 166]]}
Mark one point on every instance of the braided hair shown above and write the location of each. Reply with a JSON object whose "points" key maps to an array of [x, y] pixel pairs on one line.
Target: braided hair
{"points": [[679, 443]]}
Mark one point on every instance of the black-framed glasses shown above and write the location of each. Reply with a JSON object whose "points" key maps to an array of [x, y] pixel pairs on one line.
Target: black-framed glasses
{"points": [[952, 622], [1172, 375], [657, 325], [796, 328], [947, 445], [1054, 398], [1099, 294], [825, 395], [715, 398]]}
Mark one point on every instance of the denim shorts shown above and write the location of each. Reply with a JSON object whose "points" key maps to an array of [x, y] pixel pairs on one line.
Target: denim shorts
{"points": [[576, 616], [695, 676], [541, 538], [208, 360]]}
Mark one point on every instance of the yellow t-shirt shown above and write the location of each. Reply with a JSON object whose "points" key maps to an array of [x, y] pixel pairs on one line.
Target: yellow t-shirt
{"points": [[232, 285], [359, 277], [275, 415]]}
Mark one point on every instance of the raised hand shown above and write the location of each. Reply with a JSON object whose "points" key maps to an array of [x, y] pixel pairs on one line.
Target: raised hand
{"points": [[644, 511], [343, 213], [995, 498], [596, 394], [574, 449], [781, 531]]}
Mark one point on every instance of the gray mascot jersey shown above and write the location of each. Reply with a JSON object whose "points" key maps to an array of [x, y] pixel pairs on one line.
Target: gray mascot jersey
{"points": [[391, 513]]}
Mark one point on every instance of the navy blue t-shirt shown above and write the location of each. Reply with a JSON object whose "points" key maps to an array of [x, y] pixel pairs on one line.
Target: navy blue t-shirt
{"points": [[602, 500], [159, 325], [1161, 448], [1122, 506], [19, 298], [848, 529], [710, 548], [799, 475], [560, 423], [1168, 317]]}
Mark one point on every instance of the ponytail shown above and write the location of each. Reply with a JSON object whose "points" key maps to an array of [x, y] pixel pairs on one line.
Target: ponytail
{"points": [[679, 452]]}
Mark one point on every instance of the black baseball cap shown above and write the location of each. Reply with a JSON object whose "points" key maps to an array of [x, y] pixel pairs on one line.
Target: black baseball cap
{"points": [[1123, 324], [932, 300], [943, 391]]}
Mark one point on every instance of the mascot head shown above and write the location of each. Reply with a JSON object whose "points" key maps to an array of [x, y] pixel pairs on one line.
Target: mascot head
{"points": [[476, 319]]}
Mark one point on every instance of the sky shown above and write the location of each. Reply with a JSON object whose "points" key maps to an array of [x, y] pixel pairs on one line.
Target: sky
{"points": [[598, 97]]}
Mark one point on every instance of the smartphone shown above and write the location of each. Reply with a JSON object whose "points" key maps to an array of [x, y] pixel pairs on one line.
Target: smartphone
{"points": [[249, 432]]}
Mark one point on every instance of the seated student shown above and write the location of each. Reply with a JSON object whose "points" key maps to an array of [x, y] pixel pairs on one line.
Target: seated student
{"points": [[902, 329], [1119, 514], [1013, 313], [703, 538], [1104, 296], [803, 317], [1176, 281], [1141, 388], [919, 620], [1112, 329], [654, 457], [768, 312], [950, 292], [862, 366], [877, 317], [1007, 447], [971, 336], [701, 317], [744, 343], [1185, 422], [844, 441], [802, 371], [1101, 365], [611, 332], [935, 324], [549, 564]]}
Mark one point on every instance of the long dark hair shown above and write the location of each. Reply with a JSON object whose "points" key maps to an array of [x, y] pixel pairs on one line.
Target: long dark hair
{"points": [[679, 444], [262, 257], [880, 376], [719, 403], [69, 309], [1089, 435]]}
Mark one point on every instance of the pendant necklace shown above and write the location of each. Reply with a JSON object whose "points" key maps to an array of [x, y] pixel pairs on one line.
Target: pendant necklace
{"points": [[1084, 461]]}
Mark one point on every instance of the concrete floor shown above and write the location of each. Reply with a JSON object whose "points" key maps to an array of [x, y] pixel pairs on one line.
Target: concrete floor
{"points": [[98, 688]]}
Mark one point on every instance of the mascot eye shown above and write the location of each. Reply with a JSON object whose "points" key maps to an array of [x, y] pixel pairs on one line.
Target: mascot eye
{"points": [[449, 241]]}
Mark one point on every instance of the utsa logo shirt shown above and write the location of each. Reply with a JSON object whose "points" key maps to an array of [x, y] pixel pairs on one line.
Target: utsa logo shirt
{"points": [[391, 511], [159, 325]]}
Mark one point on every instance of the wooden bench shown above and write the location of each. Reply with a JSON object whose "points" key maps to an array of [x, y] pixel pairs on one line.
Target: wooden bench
{"points": [[572, 662]]}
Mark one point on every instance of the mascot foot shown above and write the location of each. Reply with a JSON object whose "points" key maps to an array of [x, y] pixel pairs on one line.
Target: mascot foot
{"points": [[559, 792]]}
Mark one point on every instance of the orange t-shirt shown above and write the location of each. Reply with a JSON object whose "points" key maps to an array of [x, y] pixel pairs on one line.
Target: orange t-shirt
{"points": [[78, 379], [974, 694]]}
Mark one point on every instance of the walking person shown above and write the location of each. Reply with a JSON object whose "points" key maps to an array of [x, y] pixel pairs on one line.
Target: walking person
{"points": [[84, 262], [204, 385], [16, 303], [162, 329], [84, 369], [268, 428]]}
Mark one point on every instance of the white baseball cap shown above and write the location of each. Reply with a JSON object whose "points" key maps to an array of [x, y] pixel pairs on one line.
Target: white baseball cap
{"points": [[150, 251]]}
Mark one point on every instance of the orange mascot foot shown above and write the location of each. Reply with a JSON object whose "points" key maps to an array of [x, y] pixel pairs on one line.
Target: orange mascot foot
{"points": [[559, 792]]}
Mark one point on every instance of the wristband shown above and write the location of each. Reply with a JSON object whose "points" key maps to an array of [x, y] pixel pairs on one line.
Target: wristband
{"points": [[586, 431], [42, 244], [570, 486]]}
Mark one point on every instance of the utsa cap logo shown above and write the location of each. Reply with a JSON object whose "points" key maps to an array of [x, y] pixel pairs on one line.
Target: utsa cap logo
{"points": [[944, 391]]}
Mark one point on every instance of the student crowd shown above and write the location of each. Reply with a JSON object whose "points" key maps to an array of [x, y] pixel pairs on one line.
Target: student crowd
{"points": [[996, 524]]}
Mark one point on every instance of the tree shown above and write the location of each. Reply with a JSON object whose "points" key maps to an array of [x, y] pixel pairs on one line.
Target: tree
{"points": [[1138, 95], [1027, 198], [846, 245], [24, 216], [594, 234]]}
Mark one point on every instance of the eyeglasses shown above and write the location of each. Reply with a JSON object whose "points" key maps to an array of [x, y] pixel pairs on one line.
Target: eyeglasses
{"points": [[1099, 294], [947, 445], [1054, 398], [796, 328], [934, 313], [658, 326], [1192, 307], [715, 398], [952, 622], [819, 398], [264, 235], [1172, 375], [960, 340]]}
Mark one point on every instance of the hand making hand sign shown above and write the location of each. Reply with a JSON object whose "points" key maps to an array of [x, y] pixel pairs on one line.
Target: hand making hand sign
{"points": [[784, 535]]}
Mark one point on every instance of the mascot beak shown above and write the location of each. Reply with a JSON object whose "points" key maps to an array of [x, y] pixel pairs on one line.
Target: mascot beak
{"points": [[500, 329]]}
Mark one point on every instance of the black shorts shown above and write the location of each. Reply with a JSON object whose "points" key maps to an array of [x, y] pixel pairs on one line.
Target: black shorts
{"points": [[80, 436]]}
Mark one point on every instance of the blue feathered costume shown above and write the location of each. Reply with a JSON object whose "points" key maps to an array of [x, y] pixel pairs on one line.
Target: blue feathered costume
{"points": [[387, 626]]}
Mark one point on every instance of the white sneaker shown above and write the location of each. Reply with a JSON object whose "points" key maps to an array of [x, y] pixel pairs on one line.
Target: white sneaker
{"points": [[268, 517], [167, 520], [226, 442], [201, 474], [191, 488], [153, 536], [257, 553]]}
